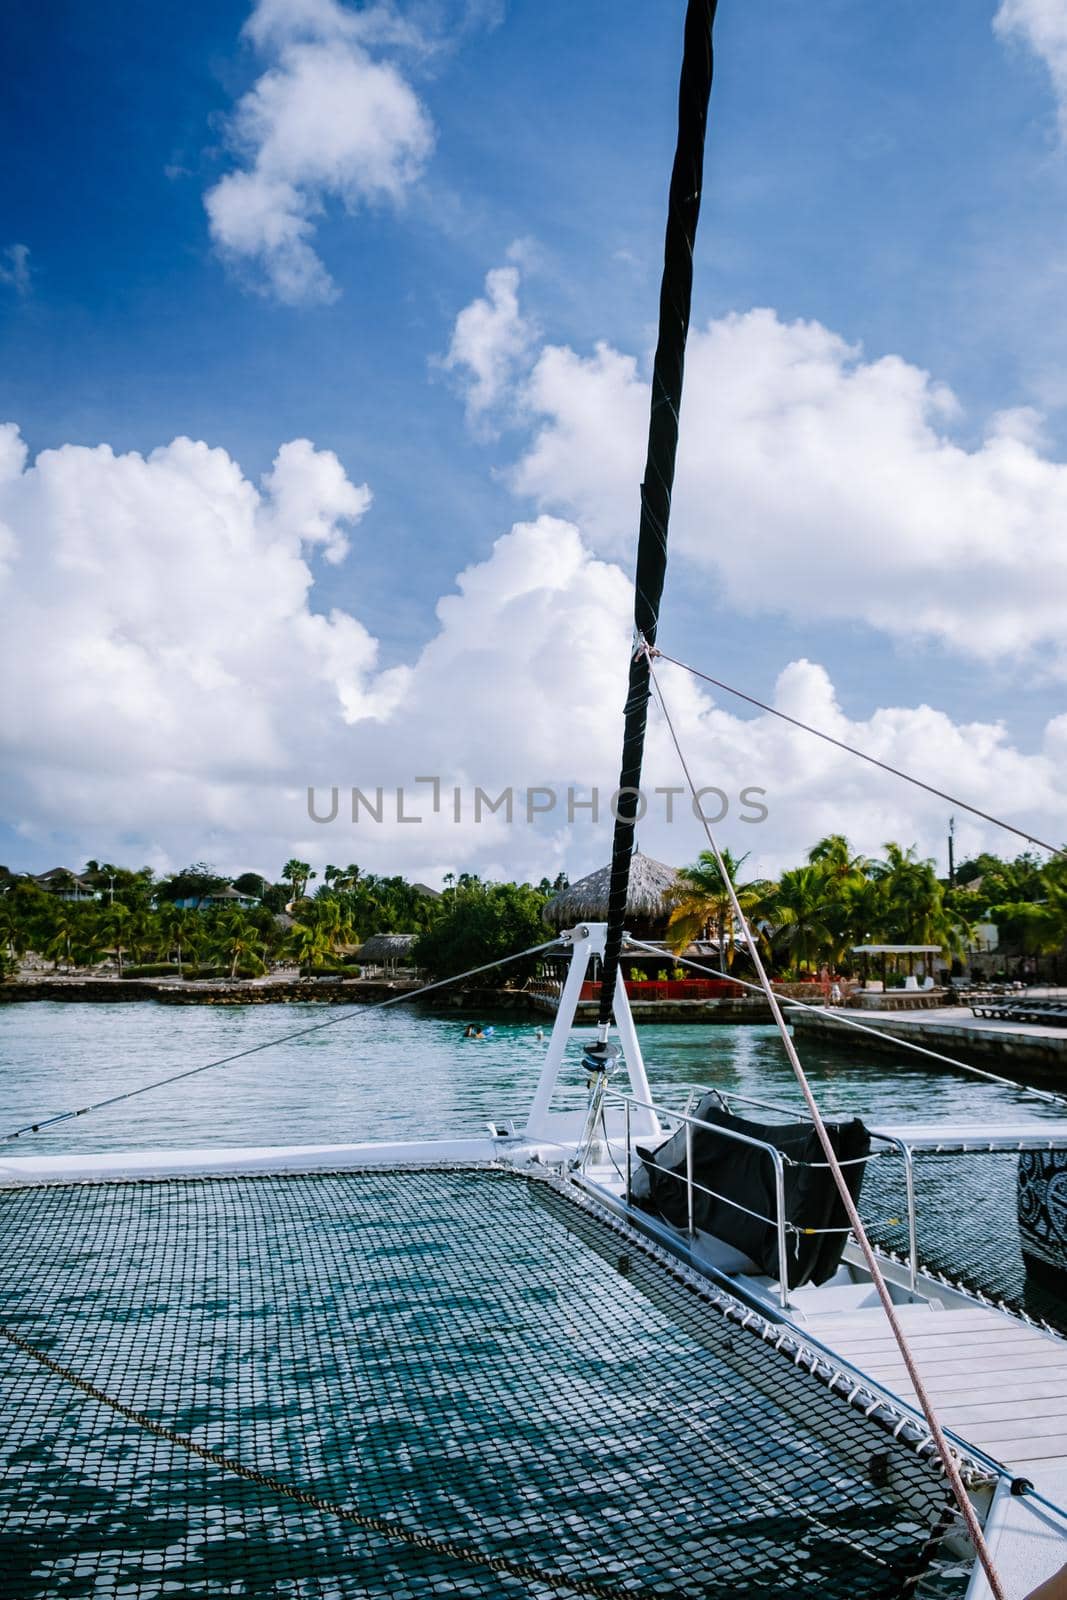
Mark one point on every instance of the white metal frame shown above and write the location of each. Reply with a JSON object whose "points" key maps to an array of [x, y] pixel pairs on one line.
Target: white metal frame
{"points": [[586, 941]]}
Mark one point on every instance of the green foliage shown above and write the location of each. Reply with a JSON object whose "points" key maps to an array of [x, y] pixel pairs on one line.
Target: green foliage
{"points": [[191, 883], [376, 904], [250, 883], [479, 922], [299, 875], [703, 905], [153, 969], [1024, 878], [812, 916]]}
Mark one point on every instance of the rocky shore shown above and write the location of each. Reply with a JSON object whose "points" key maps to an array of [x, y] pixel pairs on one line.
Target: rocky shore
{"points": [[212, 992], [252, 992]]}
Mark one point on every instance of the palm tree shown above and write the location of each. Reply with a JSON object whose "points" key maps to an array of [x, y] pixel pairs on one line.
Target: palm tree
{"points": [[865, 912], [92, 935], [330, 921], [182, 930], [913, 895], [803, 915], [65, 928], [702, 901], [143, 934], [299, 875], [240, 944], [12, 931], [309, 943], [915, 901], [845, 877], [116, 922]]}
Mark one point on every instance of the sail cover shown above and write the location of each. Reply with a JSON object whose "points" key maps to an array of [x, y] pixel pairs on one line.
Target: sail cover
{"points": [[734, 1188]]}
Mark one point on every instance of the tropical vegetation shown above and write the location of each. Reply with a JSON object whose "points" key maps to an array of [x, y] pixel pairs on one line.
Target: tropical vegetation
{"points": [[190, 922], [816, 914]]}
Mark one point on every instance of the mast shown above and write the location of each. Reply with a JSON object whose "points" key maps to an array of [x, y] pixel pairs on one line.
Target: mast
{"points": [[676, 292]]}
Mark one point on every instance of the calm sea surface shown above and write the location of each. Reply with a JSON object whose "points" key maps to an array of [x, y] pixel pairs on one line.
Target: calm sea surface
{"points": [[396, 1074]]}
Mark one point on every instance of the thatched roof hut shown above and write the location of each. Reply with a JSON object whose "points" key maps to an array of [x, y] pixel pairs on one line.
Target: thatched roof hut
{"points": [[647, 903], [386, 949]]}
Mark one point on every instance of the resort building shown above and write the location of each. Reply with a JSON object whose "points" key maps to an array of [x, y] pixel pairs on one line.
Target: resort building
{"points": [[65, 884], [225, 899]]}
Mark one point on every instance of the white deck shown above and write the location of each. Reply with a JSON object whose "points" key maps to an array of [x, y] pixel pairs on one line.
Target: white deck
{"points": [[997, 1383], [1030, 1134]]}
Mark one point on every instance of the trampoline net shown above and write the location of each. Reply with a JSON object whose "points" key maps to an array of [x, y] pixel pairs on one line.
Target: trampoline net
{"points": [[468, 1354], [966, 1225]]}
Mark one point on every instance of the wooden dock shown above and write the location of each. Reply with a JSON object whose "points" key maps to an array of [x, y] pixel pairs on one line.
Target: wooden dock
{"points": [[999, 1384]]}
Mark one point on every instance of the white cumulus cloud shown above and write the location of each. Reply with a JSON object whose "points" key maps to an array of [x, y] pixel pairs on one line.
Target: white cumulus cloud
{"points": [[325, 121], [813, 481], [489, 340], [1042, 25], [169, 690], [174, 598]]}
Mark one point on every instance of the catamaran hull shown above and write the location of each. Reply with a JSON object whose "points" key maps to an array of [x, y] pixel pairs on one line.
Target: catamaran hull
{"points": [[1043, 1215]]}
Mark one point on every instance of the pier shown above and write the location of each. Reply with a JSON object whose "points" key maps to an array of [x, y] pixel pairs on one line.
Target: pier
{"points": [[1031, 1048]]}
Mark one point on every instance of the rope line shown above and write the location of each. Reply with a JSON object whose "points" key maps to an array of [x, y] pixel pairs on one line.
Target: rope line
{"points": [[1046, 1095], [269, 1044], [944, 1450], [361, 1519], [840, 744]]}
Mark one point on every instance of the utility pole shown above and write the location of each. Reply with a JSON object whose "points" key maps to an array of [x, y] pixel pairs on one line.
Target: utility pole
{"points": [[952, 852]]}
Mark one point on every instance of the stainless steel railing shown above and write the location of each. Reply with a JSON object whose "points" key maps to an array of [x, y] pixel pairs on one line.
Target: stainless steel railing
{"points": [[726, 1096], [604, 1096], [630, 1102]]}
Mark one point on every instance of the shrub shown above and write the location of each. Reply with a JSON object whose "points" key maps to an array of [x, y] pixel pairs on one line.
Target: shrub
{"points": [[151, 969], [481, 923]]}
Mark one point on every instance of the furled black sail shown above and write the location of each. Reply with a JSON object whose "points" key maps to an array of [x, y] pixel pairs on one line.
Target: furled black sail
{"points": [[675, 299]]}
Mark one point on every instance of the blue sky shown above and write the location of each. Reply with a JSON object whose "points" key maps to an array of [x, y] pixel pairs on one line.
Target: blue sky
{"points": [[895, 175]]}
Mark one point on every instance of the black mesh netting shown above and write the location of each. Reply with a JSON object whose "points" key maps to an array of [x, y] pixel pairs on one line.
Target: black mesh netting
{"points": [[467, 1353], [966, 1225]]}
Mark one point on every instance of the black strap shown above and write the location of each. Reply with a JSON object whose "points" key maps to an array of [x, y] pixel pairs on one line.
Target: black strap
{"points": [[676, 292]]}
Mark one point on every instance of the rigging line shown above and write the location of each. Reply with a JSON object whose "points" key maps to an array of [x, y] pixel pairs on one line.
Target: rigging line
{"points": [[944, 1450], [268, 1044], [675, 303], [883, 766], [864, 1027]]}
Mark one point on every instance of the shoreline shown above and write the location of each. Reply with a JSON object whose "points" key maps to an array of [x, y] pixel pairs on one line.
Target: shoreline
{"points": [[246, 992]]}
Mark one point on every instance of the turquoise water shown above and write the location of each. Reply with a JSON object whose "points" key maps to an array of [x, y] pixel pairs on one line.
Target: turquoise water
{"points": [[357, 1348], [388, 1075], [466, 1355]]}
